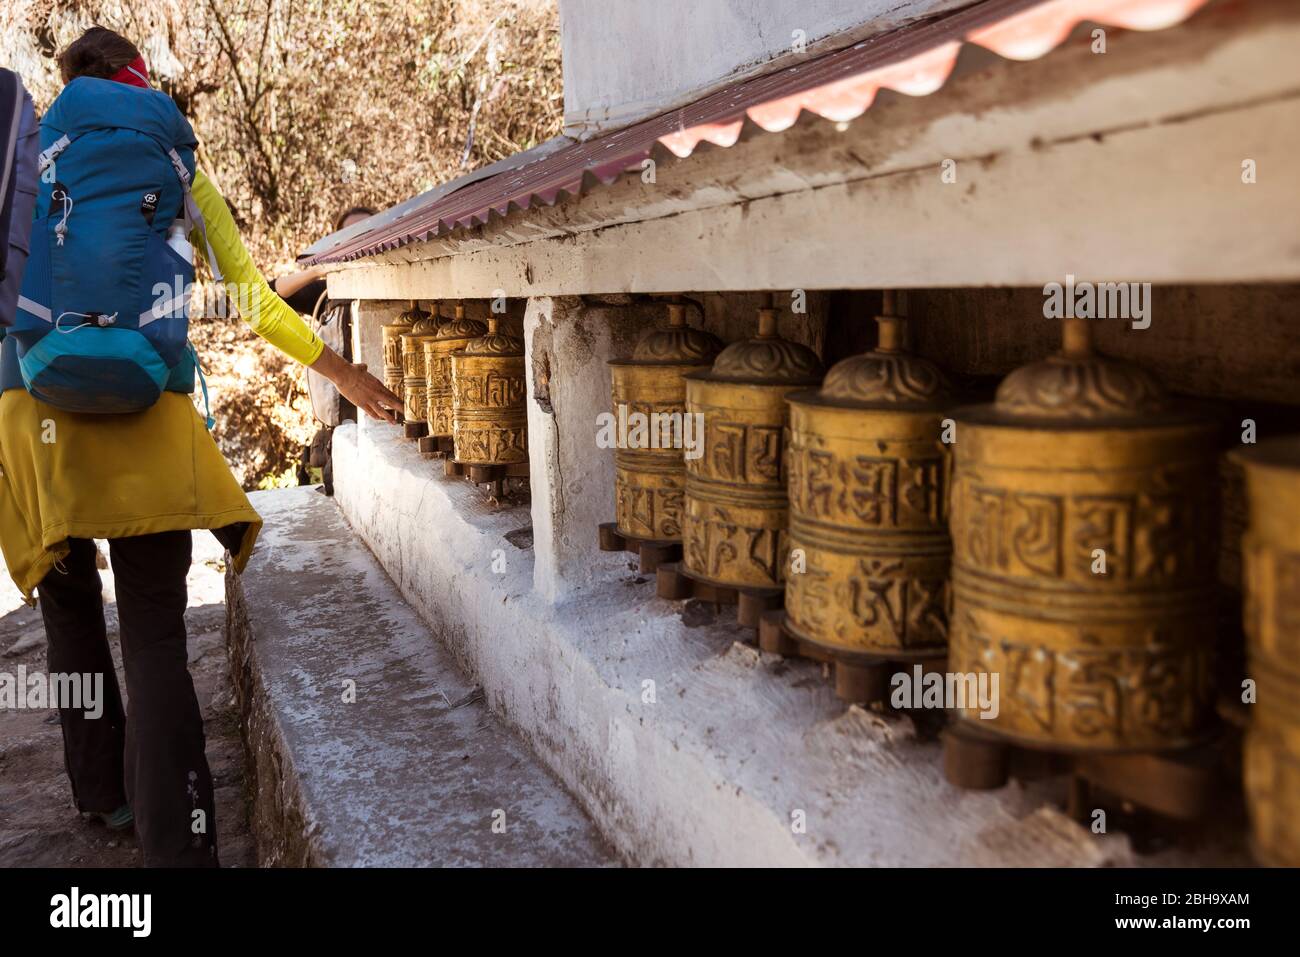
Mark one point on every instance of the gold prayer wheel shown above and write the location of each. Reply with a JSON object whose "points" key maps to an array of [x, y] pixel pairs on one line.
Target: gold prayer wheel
{"points": [[1271, 560], [868, 510], [1084, 553], [432, 358], [736, 509], [452, 335], [413, 376], [390, 335], [489, 417], [649, 387]]}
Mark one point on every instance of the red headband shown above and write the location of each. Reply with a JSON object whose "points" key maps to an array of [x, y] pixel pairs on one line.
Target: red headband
{"points": [[134, 73]]}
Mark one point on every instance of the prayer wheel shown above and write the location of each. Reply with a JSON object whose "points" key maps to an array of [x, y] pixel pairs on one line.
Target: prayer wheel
{"points": [[736, 508], [1271, 553], [452, 335], [391, 338], [431, 444], [869, 541], [413, 376], [489, 417], [1083, 527], [650, 388]]}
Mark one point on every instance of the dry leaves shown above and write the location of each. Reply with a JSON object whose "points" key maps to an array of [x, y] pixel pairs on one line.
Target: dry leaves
{"points": [[304, 107]]}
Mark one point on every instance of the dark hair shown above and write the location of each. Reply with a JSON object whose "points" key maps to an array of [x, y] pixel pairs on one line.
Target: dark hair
{"points": [[351, 211], [97, 52]]}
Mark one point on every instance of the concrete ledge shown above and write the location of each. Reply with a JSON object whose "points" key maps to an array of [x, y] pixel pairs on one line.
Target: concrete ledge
{"points": [[685, 745], [414, 771]]}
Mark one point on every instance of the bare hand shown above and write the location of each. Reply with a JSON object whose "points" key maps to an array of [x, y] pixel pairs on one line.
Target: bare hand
{"points": [[358, 386]]}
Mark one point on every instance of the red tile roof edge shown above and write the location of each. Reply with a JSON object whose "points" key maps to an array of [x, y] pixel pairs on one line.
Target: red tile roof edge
{"points": [[839, 86]]}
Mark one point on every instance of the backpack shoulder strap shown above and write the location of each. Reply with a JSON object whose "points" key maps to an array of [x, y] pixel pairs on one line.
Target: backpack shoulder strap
{"points": [[193, 215], [51, 153]]}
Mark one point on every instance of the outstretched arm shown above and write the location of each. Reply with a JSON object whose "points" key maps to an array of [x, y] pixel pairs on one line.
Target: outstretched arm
{"points": [[358, 386], [286, 286], [273, 319]]}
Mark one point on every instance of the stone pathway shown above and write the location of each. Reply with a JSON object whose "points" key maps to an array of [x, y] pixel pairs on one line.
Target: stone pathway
{"points": [[373, 747]]}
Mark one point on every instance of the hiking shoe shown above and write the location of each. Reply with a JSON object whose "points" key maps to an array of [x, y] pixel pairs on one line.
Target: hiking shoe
{"points": [[118, 820]]}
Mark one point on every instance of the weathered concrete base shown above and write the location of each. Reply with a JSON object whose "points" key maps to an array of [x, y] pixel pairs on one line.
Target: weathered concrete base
{"points": [[413, 770], [684, 744]]}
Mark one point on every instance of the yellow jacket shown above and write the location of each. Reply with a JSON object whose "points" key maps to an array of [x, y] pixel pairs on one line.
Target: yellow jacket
{"points": [[73, 475]]}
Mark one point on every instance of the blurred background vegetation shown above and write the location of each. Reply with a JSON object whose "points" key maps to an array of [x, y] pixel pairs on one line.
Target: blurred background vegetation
{"points": [[303, 108]]}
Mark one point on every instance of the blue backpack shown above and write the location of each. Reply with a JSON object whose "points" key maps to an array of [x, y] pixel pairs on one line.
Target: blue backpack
{"points": [[102, 322]]}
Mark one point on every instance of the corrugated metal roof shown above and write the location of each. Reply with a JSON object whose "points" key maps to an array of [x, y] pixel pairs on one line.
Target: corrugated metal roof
{"points": [[839, 86]]}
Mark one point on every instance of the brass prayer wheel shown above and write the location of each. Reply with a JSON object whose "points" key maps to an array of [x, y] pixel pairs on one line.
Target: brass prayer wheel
{"points": [[452, 335], [736, 508], [650, 480], [868, 509], [1271, 562], [1083, 527], [431, 363], [390, 335], [489, 417], [413, 376]]}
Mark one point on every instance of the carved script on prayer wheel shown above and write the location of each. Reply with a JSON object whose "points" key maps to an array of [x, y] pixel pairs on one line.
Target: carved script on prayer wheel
{"points": [[734, 530], [649, 391], [868, 515], [1271, 564], [413, 374], [453, 335], [489, 414], [1083, 523]]}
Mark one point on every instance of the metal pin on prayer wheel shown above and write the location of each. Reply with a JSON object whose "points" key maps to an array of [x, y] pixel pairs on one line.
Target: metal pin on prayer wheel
{"points": [[454, 334], [1271, 565], [423, 326], [736, 515], [1083, 527], [648, 396], [489, 416], [868, 511]]}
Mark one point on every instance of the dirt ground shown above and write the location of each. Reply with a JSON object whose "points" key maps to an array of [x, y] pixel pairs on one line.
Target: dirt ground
{"points": [[39, 826]]}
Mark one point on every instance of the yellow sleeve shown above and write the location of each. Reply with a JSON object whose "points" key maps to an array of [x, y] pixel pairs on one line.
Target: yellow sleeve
{"points": [[269, 315]]}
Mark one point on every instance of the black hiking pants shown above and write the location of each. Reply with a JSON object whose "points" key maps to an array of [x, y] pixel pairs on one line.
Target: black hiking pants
{"points": [[150, 755]]}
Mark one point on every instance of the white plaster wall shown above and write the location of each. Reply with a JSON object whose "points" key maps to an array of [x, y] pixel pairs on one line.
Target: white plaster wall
{"points": [[367, 316], [572, 480], [625, 60], [544, 477]]}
